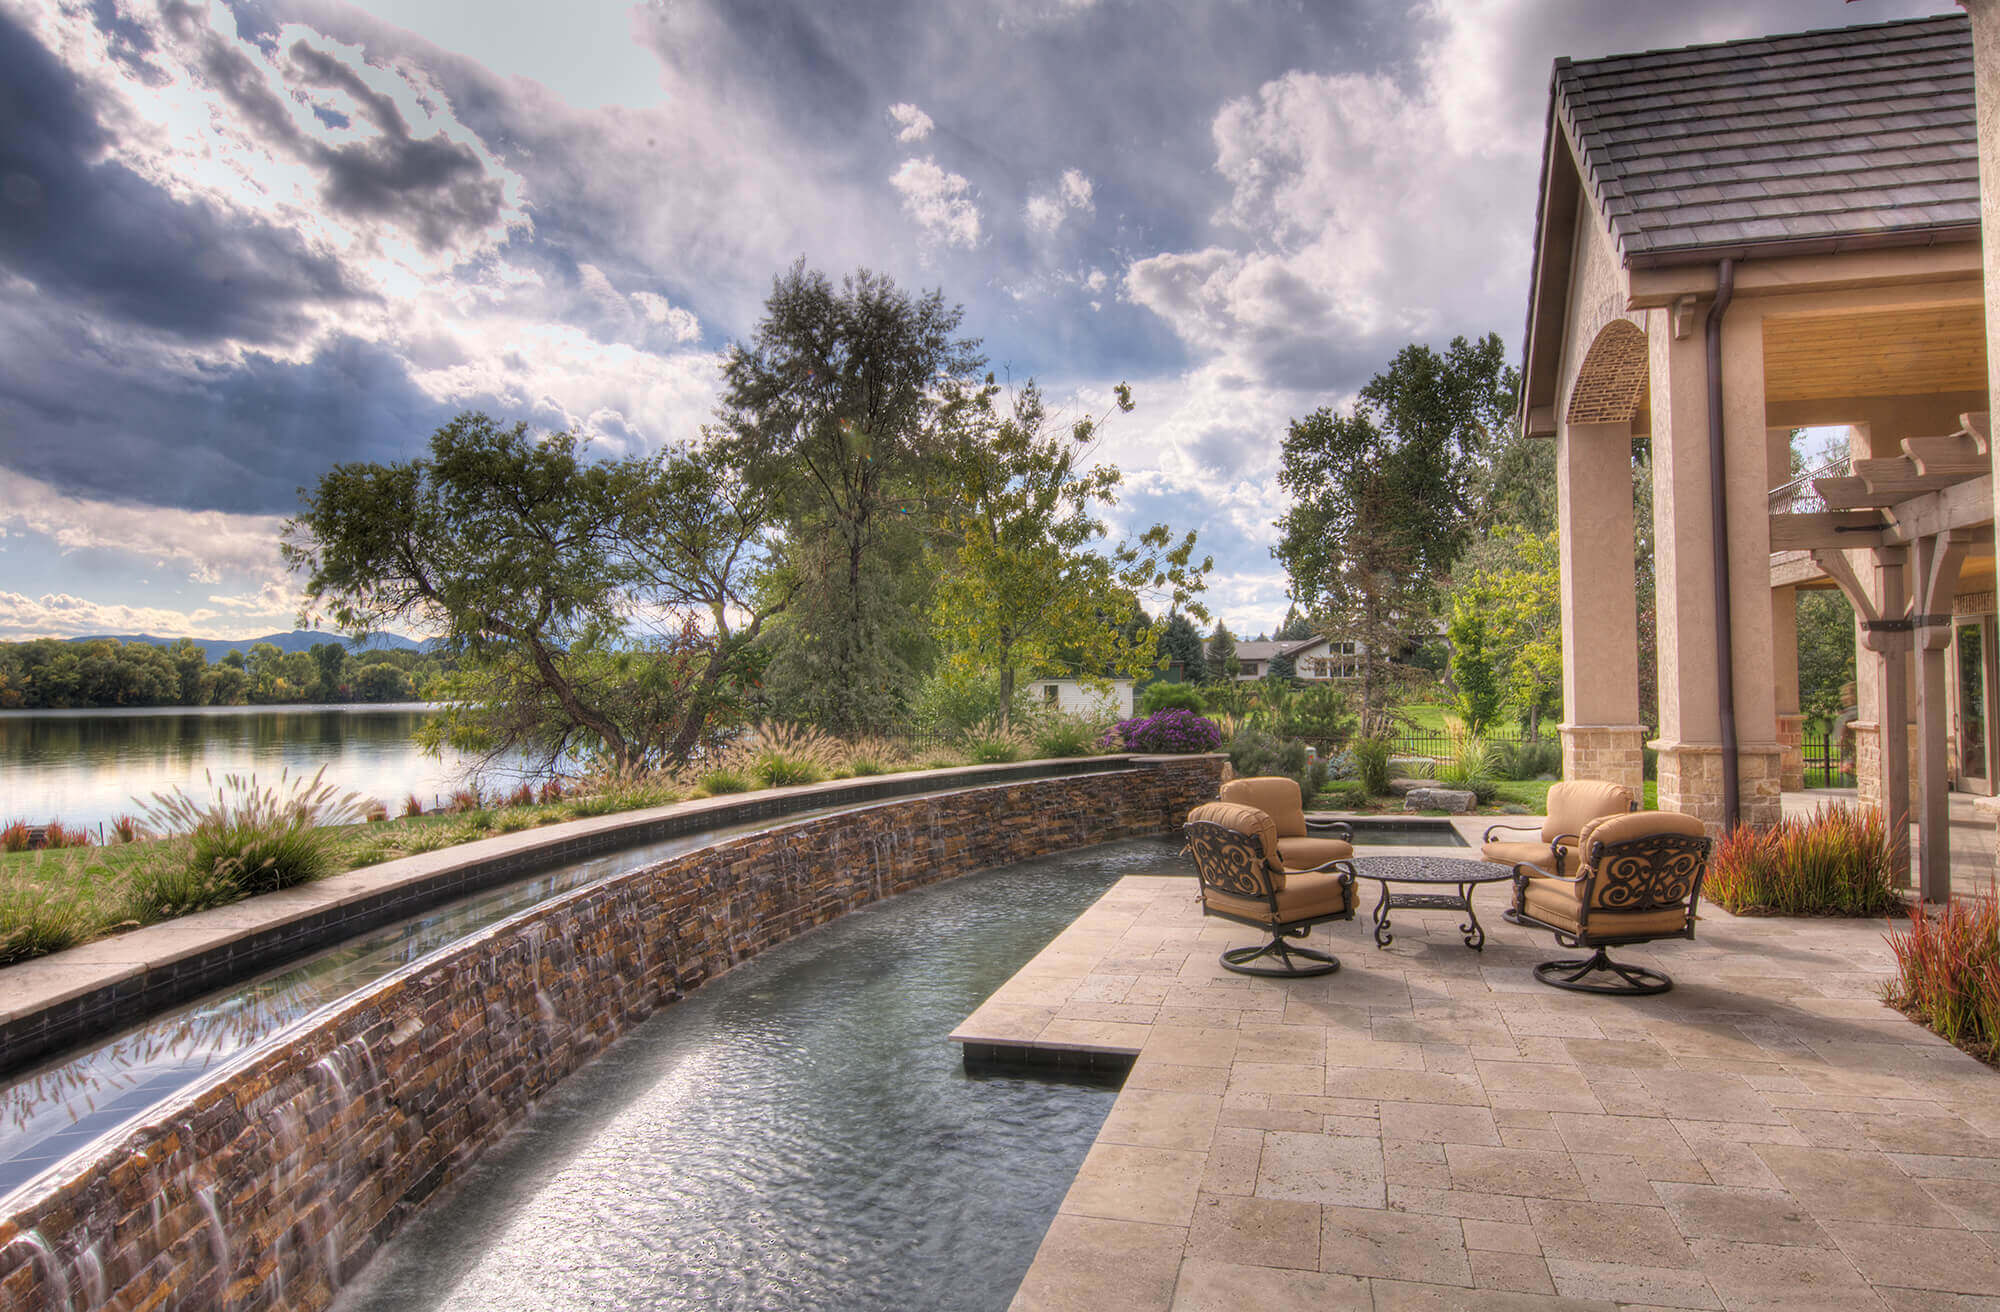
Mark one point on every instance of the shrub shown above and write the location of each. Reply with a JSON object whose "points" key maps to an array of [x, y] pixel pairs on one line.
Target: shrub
{"points": [[1168, 732], [1948, 972], [169, 883], [990, 744], [466, 799], [58, 834], [1172, 697], [127, 829], [14, 838], [783, 756], [1059, 733], [413, 805], [1834, 862], [261, 838], [1470, 767], [1344, 796], [35, 921], [717, 782], [552, 791], [1257, 752], [1371, 765], [1527, 760], [522, 796]]}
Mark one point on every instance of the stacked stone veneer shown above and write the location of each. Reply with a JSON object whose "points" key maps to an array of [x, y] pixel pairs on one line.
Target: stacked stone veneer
{"points": [[1691, 783], [273, 1180], [1792, 743], [1615, 753]]}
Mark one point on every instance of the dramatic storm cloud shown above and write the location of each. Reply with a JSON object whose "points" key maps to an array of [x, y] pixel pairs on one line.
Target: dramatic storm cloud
{"points": [[244, 240]]}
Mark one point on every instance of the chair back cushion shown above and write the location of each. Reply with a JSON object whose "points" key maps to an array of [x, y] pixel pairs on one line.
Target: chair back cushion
{"points": [[1274, 795], [1241, 859], [1574, 804], [1644, 861]]}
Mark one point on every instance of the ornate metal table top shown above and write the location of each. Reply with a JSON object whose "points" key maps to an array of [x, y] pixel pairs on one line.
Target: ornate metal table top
{"points": [[1430, 870]]}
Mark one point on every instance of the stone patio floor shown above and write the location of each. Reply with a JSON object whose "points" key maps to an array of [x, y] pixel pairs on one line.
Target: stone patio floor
{"points": [[1430, 1128]]}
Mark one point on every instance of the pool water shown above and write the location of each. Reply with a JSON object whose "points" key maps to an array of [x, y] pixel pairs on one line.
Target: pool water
{"points": [[798, 1134], [1406, 833]]}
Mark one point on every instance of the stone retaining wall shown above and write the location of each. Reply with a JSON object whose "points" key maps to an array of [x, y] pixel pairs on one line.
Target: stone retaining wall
{"points": [[275, 1178]]}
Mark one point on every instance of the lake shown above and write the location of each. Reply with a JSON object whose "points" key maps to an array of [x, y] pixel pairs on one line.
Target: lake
{"points": [[85, 767]]}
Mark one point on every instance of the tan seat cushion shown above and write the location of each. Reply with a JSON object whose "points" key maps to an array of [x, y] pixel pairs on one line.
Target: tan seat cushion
{"points": [[1554, 902], [1305, 853], [1274, 795], [1244, 820], [1304, 897], [1577, 802], [1535, 854]]}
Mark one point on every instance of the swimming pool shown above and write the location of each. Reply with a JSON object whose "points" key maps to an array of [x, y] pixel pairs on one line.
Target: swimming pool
{"points": [[797, 1134]]}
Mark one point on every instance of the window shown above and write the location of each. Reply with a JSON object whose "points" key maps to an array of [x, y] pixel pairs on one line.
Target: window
{"points": [[1346, 660], [1050, 693], [1248, 668]]}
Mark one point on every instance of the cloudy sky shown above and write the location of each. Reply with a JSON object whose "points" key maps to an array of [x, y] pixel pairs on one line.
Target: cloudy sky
{"points": [[242, 240]]}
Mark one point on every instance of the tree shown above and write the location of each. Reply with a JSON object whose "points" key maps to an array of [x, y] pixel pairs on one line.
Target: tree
{"points": [[331, 658], [1023, 585], [1221, 654], [1479, 697], [1826, 652], [564, 585], [1181, 641], [1518, 578], [1383, 500], [838, 408]]}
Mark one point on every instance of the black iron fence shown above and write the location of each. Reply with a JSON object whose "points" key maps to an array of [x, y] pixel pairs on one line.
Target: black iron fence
{"points": [[1824, 766], [1438, 743]]}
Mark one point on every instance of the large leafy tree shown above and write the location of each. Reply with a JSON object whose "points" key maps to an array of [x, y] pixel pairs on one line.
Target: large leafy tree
{"points": [[1023, 583], [598, 606], [842, 408], [1383, 500], [1513, 581]]}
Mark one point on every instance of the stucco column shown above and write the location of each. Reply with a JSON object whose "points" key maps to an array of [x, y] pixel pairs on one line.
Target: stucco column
{"points": [[1985, 16], [1690, 741], [1602, 737]]}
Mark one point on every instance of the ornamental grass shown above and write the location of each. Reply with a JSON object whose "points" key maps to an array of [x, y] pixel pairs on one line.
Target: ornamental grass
{"points": [[1834, 862], [1948, 972]]}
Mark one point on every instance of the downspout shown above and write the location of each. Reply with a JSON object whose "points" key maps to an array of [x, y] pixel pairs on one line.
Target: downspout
{"points": [[1718, 515]]}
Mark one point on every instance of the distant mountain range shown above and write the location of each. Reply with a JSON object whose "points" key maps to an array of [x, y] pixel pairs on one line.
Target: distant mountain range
{"points": [[297, 640]]}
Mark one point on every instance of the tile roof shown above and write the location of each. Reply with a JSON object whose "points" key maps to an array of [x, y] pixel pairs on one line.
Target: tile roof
{"points": [[1830, 139]]}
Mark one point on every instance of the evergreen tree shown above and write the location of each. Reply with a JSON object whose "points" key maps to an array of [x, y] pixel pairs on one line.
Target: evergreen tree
{"points": [[1222, 662], [1181, 641]]}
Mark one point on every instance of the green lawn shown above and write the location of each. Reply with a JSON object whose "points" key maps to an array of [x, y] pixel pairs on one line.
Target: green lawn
{"points": [[1532, 794]]}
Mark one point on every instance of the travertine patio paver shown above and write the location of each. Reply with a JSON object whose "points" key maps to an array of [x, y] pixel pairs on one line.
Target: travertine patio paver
{"points": [[1430, 1129]]}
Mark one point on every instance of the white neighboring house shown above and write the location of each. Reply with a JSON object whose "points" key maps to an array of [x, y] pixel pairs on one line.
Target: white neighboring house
{"points": [[1103, 697], [1316, 659]]}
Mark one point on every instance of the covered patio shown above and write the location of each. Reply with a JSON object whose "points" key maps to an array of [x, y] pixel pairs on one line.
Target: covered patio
{"points": [[1733, 242]]}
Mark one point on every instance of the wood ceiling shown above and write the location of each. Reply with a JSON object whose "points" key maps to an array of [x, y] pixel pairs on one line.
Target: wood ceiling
{"points": [[1875, 353]]}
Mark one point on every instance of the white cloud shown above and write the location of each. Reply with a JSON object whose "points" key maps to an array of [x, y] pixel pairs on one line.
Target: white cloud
{"points": [[1046, 210], [681, 324], [205, 543], [940, 202], [915, 124], [60, 615]]}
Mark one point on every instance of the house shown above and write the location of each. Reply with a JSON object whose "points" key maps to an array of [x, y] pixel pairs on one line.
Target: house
{"points": [[1313, 659], [1099, 697], [1732, 241]]}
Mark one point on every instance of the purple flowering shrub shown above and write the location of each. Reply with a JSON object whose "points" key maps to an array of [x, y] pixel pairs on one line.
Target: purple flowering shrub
{"points": [[1175, 731]]}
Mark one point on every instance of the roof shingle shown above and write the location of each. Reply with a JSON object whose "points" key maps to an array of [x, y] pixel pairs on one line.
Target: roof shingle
{"points": [[1856, 133]]}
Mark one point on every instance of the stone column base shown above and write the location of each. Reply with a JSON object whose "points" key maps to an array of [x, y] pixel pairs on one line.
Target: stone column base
{"points": [[1868, 764], [1792, 741], [1691, 783], [1614, 753]]}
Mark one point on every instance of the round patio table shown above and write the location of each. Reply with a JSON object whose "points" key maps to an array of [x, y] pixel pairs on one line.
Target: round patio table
{"points": [[1437, 872]]}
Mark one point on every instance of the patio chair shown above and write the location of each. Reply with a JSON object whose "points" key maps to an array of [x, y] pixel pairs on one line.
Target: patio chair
{"points": [[1302, 844], [1243, 879], [1639, 881], [1571, 806]]}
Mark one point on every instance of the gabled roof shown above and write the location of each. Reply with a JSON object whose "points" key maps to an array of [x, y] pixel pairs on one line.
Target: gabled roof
{"points": [[1264, 651], [1816, 141]]}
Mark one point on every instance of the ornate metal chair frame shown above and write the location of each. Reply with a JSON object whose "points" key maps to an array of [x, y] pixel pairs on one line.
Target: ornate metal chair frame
{"points": [[1555, 845], [1233, 863], [1641, 874]]}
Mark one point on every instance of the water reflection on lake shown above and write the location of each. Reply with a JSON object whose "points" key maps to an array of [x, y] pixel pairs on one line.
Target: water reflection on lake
{"points": [[84, 767]]}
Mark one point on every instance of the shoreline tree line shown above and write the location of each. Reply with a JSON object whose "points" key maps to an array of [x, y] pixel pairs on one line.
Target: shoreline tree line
{"points": [[104, 673]]}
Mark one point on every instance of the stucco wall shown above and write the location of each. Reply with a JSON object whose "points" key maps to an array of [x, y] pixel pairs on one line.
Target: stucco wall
{"points": [[281, 1174]]}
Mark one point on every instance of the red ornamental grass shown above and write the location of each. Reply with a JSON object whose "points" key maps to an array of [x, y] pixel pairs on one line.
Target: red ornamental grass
{"points": [[14, 838], [413, 805], [522, 796], [1948, 971], [1833, 862], [58, 834]]}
